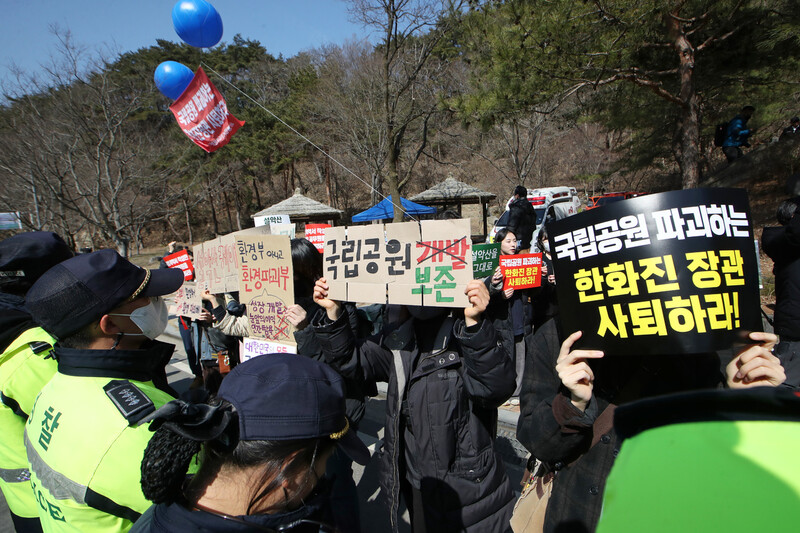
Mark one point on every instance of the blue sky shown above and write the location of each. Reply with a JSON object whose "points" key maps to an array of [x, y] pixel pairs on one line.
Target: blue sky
{"points": [[282, 26]]}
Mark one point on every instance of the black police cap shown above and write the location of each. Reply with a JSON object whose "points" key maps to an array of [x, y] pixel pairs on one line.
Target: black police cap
{"points": [[79, 291]]}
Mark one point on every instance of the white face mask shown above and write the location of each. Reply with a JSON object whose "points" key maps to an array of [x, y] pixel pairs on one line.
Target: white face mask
{"points": [[546, 245], [152, 318]]}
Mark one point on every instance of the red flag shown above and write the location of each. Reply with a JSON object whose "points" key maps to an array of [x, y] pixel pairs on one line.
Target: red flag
{"points": [[203, 115]]}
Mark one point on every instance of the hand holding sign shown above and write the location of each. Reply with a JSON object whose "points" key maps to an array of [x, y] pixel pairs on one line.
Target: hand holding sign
{"points": [[755, 365], [575, 373], [296, 316], [478, 296], [332, 307]]}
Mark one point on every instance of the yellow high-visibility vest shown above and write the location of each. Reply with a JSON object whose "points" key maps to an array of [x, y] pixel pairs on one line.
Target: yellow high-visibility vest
{"points": [[25, 367]]}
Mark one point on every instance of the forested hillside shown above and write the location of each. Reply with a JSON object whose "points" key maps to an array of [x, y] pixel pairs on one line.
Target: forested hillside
{"points": [[614, 95]]}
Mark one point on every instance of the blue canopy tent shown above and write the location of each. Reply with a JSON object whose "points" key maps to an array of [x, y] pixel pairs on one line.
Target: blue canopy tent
{"points": [[384, 209]]}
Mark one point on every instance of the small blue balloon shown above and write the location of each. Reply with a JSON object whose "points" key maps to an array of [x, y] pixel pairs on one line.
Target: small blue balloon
{"points": [[172, 78], [197, 23]]}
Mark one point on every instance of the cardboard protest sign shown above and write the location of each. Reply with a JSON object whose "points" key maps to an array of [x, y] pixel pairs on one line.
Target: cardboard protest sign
{"points": [[199, 267], [188, 301], [678, 268], [485, 259], [183, 261], [215, 263], [266, 285], [315, 234], [521, 271], [427, 263], [202, 114], [250, 347], [211, 272], [266, 220]]}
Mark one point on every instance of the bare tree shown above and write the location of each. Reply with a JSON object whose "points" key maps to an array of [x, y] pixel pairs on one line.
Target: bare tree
{"points": [[410, 30], [71, 144]]}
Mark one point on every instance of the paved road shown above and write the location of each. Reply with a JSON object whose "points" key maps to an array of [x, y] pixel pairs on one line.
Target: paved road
{"points": [[373, 514]]}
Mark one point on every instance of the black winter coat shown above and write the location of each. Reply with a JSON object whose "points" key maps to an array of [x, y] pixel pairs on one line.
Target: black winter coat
{"points": [[559, 434], [782, 244], [499, 312], [447, 399], [14, 319], [522, 221]]}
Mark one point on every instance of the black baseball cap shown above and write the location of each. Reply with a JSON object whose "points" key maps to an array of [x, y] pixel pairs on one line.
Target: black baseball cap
{"points": [[29, 255], [80, 290], [291, 397]]}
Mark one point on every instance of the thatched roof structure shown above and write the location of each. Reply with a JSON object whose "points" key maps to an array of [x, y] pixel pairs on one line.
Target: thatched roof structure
{"points": [[301, 209], [452, 191]]}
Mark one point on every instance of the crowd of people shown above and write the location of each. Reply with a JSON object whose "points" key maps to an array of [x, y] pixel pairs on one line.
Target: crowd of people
{"points": [[94, 438]]}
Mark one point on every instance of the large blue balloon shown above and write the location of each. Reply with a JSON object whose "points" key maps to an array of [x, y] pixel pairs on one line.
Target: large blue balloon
{"points": [[197, 23], [172, 78]]}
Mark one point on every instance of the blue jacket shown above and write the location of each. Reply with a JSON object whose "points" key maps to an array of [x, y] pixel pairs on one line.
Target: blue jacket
{"points": [[737, 132]]}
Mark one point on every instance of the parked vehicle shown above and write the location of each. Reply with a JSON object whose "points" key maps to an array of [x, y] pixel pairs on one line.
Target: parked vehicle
{"points": [[611, 197], [563, 200]]}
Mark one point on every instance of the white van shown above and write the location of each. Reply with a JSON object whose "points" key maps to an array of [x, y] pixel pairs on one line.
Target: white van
{"points": [[563, 200]]}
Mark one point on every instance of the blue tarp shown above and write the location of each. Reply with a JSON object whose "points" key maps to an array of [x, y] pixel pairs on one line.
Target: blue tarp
{"points": [[384, 209]]}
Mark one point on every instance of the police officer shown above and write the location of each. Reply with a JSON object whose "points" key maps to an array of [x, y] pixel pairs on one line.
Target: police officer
{"points": [[82, 437], [25, 363]]}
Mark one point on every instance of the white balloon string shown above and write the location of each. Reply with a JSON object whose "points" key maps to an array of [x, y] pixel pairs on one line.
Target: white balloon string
{"points": [[309, 141]]}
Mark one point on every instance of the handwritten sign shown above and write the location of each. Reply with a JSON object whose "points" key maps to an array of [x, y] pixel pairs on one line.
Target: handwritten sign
{"points": [[199, 267], [188, 301], [266, 285], [215, 263], [315, 234], [250, 347], [183, 261], [678, 268], [521, 271], [485, 259], [427, 263], [266, 220]]}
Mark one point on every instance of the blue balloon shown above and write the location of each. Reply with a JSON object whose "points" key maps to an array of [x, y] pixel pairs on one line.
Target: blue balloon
{"points": [[172, 78], [197, 23]]}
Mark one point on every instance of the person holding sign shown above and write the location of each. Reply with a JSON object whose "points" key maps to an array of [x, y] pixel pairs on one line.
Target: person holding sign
{"points": [[782, 245], [510, 311], [447, 375], [569, 396]]}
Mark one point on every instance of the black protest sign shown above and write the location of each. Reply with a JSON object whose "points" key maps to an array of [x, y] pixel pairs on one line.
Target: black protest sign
{"points": [[666, 273]]}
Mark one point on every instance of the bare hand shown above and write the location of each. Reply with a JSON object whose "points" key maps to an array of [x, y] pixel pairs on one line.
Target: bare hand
{"points": [[332, 307], [296, 316], [508, 293], [207, 296], [206, 316], [497, 277], [574, 371], [171, 246], [552, 279], [478, 296], [754, 365], [544, 269]]}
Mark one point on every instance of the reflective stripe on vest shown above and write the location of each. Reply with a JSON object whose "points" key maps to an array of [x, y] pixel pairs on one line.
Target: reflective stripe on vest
{"points": [[59, 485], [15, 475]]}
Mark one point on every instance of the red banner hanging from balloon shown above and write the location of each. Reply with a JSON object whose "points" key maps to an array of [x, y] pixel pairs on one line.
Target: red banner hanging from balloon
{"points": [[203, 115]]}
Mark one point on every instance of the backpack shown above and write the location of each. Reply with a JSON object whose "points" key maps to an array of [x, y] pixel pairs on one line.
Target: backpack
{"points": [[720, 133]]}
